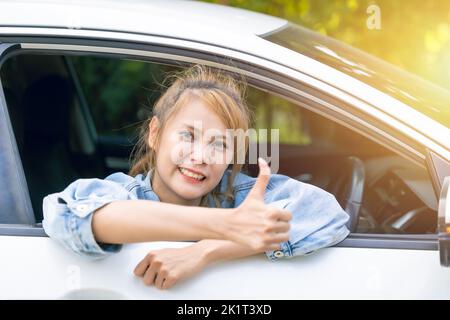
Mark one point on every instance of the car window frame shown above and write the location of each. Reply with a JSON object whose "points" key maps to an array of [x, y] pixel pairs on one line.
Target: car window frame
{"points": [[19, 192], [329, 108]]}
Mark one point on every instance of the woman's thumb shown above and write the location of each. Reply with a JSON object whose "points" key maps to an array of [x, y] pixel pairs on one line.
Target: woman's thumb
{"points": [[262, 180]]}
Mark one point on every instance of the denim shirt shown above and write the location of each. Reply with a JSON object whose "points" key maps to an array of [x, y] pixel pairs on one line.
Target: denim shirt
{"points": [[317, 219]]}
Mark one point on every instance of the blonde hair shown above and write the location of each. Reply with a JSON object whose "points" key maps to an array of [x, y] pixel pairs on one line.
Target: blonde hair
{"points": [[221, 92]]}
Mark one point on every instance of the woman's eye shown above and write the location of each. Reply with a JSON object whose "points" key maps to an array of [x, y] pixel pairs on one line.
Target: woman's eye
{"points": [[219, 144], [186, 135]]}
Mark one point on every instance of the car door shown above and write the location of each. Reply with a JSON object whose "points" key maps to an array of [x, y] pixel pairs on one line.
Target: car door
{"points": [[365, 265]]}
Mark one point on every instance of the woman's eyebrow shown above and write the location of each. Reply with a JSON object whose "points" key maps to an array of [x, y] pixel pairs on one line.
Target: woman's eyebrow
{"points": [[192, 128]]}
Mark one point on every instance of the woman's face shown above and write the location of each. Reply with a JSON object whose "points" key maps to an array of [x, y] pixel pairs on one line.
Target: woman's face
{"points": [[193, 154]]}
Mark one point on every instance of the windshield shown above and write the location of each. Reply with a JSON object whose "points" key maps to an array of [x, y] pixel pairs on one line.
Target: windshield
{"points": [[424, 96]]}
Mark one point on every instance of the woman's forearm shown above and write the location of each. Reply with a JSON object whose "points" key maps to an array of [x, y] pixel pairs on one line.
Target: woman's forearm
{"points": [[222, 250], [144, 220]]}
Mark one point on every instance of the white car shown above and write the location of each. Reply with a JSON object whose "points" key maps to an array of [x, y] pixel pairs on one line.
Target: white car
{"points": [[75, 79]]}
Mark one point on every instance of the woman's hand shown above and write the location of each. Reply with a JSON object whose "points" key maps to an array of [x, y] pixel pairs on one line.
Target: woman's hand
{"points": [[256, 224], [166, 267]]}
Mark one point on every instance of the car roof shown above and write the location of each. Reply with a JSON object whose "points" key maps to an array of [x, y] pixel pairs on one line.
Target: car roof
{"points": [[160, 17]]}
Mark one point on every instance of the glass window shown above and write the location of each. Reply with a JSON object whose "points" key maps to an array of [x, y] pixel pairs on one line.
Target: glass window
{"points": [[422, 95], [274, 112], [120, 93]]}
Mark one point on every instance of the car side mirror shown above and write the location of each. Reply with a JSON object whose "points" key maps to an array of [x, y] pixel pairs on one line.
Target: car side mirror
{"points": [[444, 223]]}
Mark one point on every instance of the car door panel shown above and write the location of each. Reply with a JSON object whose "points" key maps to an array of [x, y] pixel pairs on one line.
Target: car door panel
{"points": [[39, 268]]}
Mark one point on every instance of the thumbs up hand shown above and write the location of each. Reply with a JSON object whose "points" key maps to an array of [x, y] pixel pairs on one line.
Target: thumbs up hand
{"points": [[254, 223]]}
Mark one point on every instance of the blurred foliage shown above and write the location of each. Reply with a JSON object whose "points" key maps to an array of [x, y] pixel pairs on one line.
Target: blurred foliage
{"points": [[414, 34], [274, 112], [120, 93]]}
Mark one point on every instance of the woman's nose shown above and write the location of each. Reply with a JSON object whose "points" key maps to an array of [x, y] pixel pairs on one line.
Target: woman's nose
{"points": [[198, 153]]}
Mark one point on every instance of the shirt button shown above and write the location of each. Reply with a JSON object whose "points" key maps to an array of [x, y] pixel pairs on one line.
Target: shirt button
{"points": [[82, 207], [279, 254]]}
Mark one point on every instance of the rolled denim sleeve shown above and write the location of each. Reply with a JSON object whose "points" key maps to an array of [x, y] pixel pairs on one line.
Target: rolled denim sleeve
{"points": [[68, 214], [318, 220]]}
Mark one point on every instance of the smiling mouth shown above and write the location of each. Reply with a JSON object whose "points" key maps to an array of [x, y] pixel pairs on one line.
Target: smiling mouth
{"points": [[189, 174]]}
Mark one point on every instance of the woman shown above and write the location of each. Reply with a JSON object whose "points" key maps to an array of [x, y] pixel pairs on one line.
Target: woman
{"points": [[180, 188]]}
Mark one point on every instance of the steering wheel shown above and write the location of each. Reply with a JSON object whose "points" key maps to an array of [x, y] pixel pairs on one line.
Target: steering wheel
{"points": [[348, 188]]}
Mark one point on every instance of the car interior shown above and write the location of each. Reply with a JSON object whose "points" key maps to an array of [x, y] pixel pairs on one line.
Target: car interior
{"points": [[79, 117]]}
